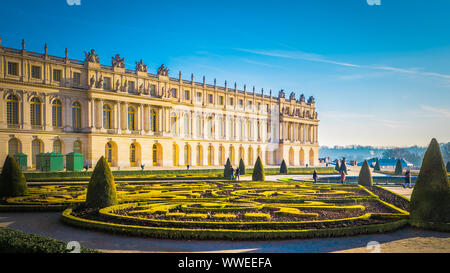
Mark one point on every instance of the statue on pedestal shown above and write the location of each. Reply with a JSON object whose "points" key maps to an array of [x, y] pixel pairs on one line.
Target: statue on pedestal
{"points": [[91, 57]]}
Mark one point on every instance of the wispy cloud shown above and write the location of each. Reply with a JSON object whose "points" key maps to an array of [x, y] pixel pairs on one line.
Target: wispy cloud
{"points": [[300, 55], [436, 112]]}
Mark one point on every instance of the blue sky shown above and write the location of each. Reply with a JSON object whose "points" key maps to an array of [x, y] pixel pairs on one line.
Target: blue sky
{"points": [[380, 74]]}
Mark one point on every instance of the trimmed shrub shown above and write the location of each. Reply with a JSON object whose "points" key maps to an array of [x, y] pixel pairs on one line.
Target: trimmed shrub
{"points": [[343, 167], [283, 168], [227, 170], [398, 168], [241, 167], [365, 176], [12, 180], [430, 199], [258, 171], [448, 166], [377, 166], [101, 190]]}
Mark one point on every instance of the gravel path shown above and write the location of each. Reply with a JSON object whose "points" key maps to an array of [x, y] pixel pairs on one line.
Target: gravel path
{"points": [[48, 224]]}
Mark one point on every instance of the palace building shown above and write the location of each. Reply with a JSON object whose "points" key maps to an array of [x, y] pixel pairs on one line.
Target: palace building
{"points": [[133, 117]]}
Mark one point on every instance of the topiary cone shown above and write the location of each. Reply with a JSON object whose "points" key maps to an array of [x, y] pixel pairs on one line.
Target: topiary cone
{"points": [[283, 168], [398, 168], [227, 170], [101, 190], [12, 180], [241, 166], [365, 176], [448, 166], [430, 200], [377, 166], [258, 171]]}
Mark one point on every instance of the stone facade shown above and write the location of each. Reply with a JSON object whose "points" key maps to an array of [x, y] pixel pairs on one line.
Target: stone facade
{"points": [[133, 117]]}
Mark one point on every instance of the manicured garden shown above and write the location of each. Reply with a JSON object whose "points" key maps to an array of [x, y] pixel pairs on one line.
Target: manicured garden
{"points": [[237, 210]]}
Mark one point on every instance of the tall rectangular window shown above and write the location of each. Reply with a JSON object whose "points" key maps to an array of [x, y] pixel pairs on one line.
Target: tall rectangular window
{"points": [[210, 98], [35, 72], [187, 95], [107, 83], [57, 75], [76, 79], [152, 90], [231, 101], [199, 97], [220, 100], [130, 86], [13, 69]]}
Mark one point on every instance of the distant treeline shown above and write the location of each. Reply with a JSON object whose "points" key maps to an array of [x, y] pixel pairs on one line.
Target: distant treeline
{"points": [[413, 154]]}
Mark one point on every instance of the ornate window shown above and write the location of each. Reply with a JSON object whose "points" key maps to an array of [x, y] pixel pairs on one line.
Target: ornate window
{"points": [[175, 154], [76, 115], [13, 146], [35, 111], [173, 123], [77, 147], [108, 153], [12, 110], [131, 119], [36, 148], [153, 121], [132, 155], [56, 113], [187, 154], [210, 155], [57, 146], [199, 155], [221, 155], [107, 124]]}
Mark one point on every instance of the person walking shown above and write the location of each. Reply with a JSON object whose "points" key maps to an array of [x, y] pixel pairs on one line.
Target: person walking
{"points": [[238, 173], [315, 176], [232, 173], [407, 179], [342, 177]]}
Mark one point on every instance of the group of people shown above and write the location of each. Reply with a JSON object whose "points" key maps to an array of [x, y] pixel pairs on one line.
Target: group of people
{"points": [[234, 174]]}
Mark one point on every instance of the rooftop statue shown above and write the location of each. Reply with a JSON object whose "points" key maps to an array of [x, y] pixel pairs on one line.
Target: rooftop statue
{"points": [[163, 71], [118, 62], [281, 94], [140, 66], [91, 57]]}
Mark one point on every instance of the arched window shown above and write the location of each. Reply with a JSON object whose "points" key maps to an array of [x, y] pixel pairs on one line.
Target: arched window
{"points": [[221, 131], [186, 124], [153, 121], [187, 154], [258, 129], [12, 110], [77, 147], [241, 129], [107, 122], [57, 146], [132, 155], [250, 129], [131, 118], [156, 153], [173, 123], [199, 126], [230, 129], [76, 115], [175, 154], [231, 155], [241, 153], [109, 153], [56, 113], [210, 155], [35, 111], [221, 155], [13, 146], [199, 155], [250, 156], [36, 148], [291, 157]]}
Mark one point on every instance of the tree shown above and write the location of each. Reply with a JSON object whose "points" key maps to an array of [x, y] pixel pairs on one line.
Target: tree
{"points": [[430, 199], [343, 167], [227, 170], [101, 190], [12, 180], [338, 167], [283, 168], [241, 166], [377, 166], [448, 167], [398, 168], [365, 176], [258, 171]]}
